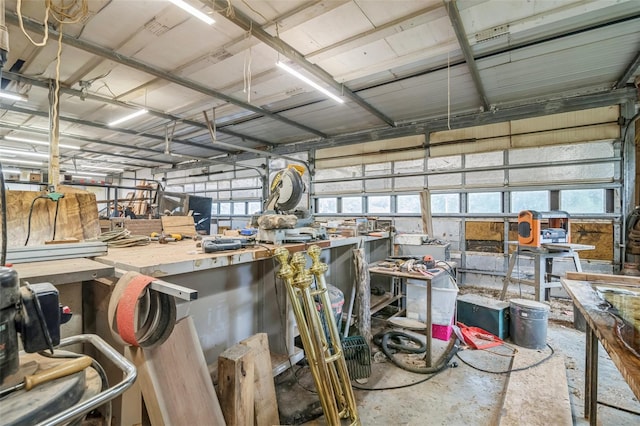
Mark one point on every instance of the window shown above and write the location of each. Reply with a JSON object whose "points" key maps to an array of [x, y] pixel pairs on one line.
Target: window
{"points": [[327, 205], [445, 203], [254, 207], [529, 200], [379, 204], [239, 209], [225, 209], [214, 209], [485, 202], [408, 204], [582, 200], [352, 205]]}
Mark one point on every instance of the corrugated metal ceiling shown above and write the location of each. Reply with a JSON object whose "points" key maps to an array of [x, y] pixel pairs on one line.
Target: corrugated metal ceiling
{"points": [[393, 62]]}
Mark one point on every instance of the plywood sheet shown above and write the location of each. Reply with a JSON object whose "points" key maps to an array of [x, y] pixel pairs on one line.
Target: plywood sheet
{"points": [[179, 225], [77, 217], [596, 234], [564, 136], [566, 119]]}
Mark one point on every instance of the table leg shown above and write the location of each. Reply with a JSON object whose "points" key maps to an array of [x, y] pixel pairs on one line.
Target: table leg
{"points": [[538, 277], [548, 270], [507, 278], [576, 260], [429, 319], [591, 377]]}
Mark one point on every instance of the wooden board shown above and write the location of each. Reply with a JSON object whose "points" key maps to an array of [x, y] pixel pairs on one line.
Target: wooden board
{"points": [[179, 225], [236, 385], [599, 235], [143, 226], [607, 278], [538, 396], [62, 271], [265, 404], [484, 236], [175, 382], [77, 217], [425, 212]]}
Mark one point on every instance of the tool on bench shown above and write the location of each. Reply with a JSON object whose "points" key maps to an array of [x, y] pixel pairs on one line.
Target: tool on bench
{"points": [[222, 244], [62, 370], [537, 228]]}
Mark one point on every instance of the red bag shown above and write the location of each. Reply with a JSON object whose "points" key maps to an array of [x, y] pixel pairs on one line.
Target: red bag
{"points": [[478, 338]]}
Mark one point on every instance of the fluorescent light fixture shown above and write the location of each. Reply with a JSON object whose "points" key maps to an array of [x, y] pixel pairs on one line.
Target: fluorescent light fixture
{"points": [[192, 10], [41, 143], [69, 172], [13, 96], [128, 117], [84, 166], [7, 171], [25, 153], [309, 82], [28, 163], [84, 177]]}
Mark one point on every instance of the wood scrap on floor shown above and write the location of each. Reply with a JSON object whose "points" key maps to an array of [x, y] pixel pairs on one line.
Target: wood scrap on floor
{"points": [[236, 385], [175, 381], [265, 404], [538, 395]]}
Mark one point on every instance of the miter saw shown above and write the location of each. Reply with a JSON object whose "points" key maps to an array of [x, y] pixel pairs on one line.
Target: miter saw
{"points": [[280, 221]]}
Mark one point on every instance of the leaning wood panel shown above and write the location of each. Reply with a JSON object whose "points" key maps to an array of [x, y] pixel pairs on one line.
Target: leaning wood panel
{"points": [[175, 381], [77, 217], [179, 225], [265, 403], [236, 385], [599, 235]]}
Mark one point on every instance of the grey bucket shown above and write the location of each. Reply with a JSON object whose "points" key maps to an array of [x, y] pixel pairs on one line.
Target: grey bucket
{"points": [[528, 323]]}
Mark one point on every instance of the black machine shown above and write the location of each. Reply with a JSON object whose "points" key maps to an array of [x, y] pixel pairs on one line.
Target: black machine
{"points": [[33, 311]]}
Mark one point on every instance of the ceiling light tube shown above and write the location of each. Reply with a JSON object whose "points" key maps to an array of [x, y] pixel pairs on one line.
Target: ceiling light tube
{"points": [[13, 96], [29, 163], [8, 171], [25, 153], [193, 11], [309, 82], [128, 117], [69, 172], [41, 143], [84, 166]]}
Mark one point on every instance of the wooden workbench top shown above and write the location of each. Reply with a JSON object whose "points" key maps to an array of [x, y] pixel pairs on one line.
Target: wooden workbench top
{"points": [[180, 257]]}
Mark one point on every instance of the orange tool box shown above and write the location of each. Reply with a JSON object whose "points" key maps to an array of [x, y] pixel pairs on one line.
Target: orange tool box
{"points": [[537, 228]]}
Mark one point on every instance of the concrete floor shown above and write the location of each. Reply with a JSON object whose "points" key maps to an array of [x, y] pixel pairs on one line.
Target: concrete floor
{"points": [[463, 395]]}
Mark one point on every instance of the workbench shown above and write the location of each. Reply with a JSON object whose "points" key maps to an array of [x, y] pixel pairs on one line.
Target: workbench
{"points": [[238, 293], [398, 293], [602, 326], [542, 265]]}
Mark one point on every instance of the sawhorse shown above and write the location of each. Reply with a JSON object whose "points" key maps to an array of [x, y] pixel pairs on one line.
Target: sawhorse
{"points": [[543, 266]]}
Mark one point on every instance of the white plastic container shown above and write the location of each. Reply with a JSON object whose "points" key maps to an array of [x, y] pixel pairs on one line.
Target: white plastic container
{"points": [[444, 291]]}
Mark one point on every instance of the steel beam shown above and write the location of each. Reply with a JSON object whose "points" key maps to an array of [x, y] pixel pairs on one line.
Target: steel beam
{"points": [[244, 22], [79, 94], [87, 46], [628, 72], [461, 35], [534, 109]]}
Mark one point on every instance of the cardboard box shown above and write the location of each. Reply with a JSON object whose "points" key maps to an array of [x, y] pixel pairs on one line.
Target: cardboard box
{"points": [[35, 177]]}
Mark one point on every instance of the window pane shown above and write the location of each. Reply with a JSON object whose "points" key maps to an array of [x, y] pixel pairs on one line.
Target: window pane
{"points": [[445, 203], [254, 207], [380, 204], [485, 202], [225, 208], [327, 205], [582, 200], [239, 208], [409, 166], [351, 204], [408, 203], [529, 200], [214, 208]]}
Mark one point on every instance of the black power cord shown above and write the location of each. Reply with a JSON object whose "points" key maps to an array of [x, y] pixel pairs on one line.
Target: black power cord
{"points": [[55, 217], [510, 370]]}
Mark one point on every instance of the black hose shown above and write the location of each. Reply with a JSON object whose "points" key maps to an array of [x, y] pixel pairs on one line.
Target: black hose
{"points": [[55, 220], [450, 351], [3, 217], [29, 220]]}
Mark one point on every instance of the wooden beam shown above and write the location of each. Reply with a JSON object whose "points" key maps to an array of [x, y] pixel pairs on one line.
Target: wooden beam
{"points": [[236, 385], [265, 404], [425, 212]]}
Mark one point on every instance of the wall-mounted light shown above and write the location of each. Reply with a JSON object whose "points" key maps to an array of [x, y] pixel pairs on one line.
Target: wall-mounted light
{"points": [[128, 117], [13, 152], [193, 11], [36, 142], [309, 82], [13, 96]]}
